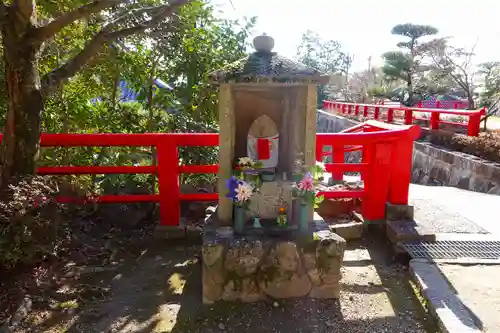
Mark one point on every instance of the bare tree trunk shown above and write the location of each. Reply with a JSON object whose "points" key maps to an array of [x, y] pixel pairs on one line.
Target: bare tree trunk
{"points": [[19, 148], [470, 99], [114, 94], [22, 38], [151, 124], [409, 84]]}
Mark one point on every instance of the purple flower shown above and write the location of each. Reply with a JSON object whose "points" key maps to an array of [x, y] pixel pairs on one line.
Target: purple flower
{"points": [[232, 185]]}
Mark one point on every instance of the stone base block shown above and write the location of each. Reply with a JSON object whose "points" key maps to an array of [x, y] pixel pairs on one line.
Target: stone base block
{"points": [[404, 231], [348, 231], [170, 232], [374, 222], [253, 268], [399, 212]]}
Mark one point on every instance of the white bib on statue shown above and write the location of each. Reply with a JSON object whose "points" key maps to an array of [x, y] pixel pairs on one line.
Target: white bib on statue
{"points": [[253, 150]]}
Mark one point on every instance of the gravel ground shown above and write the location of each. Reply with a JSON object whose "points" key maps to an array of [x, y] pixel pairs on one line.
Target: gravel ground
{"points": [[160, 291]]}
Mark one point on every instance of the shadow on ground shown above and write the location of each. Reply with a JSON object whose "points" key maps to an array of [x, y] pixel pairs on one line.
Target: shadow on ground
{"points": [[159, 290]]}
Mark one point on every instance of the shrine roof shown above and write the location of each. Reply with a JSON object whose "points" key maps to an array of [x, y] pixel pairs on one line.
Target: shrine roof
{"points": [[265, 66]]}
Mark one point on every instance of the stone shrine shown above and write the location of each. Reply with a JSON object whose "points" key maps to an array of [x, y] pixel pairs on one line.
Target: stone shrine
{"points": [[267, 111]]}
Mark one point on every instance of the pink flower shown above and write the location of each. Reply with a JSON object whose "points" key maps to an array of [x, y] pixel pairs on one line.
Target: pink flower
{"points": [[306, 184]]}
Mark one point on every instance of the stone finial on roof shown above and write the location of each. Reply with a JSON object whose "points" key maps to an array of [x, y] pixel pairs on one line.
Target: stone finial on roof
{"points": [[263, 43], [265, 66]]}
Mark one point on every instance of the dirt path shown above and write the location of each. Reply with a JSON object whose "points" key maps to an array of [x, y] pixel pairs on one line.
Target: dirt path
{"points": [[159, 290]]}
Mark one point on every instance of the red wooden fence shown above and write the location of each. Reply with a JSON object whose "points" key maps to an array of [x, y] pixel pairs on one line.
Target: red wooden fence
{"points": [[167, 169], [386, 166], [385, 163], [473, 125], [443, 104]]}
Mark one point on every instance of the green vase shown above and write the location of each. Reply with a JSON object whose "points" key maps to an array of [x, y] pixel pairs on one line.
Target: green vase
{"points": [[267, 176], [304, 217], [239, 219]]}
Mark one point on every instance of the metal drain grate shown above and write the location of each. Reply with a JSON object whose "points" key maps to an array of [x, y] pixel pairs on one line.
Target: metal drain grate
{"points": [[454, 249]]}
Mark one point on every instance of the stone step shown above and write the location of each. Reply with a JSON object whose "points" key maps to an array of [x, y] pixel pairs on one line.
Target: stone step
{"points": [[399, 212], [349, 226], [398, 231], [349, 230]]}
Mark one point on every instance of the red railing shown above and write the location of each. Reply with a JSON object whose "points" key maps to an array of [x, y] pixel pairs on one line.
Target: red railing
{"points": [[385, 167], [167, 168], [386, 157], [473, 123], [439, 104]]}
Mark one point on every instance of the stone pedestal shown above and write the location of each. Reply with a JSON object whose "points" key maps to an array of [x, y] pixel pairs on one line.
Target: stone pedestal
{"points": [[272, 196], [253, 268]]}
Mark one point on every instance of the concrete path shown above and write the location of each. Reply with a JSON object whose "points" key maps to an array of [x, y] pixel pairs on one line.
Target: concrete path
{"points": [[463, 298], [459, 205]]}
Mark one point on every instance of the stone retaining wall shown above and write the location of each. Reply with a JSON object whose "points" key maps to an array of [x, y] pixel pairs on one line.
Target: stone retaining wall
{"points": [[434, 165], [438, 166], [250, 269], [330, 123]]}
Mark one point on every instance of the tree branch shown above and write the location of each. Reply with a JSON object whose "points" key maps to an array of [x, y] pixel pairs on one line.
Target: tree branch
{"points": [[25, 9], [3, 12], [56, 77], [53, 27]]}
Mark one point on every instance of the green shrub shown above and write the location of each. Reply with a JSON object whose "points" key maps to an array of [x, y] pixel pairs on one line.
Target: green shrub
{"points": [[31, 222], [486, 145]]}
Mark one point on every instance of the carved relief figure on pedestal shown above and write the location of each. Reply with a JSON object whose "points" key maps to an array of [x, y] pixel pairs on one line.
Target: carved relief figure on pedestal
{"points": [[282, 274]]}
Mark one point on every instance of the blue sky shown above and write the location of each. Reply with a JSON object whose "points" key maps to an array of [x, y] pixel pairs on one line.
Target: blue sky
{"points": [[363, 26]]}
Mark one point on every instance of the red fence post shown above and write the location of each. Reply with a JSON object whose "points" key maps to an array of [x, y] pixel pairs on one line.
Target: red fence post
{"points": [[376, 181], [364, 159], [168, 182], [435, 120], [338, 157], [390, 115], [319, 150], [474, 125], [401, 161], [408, 117], [343, 108], [376, 113], [356, 110], [365, 111]]}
